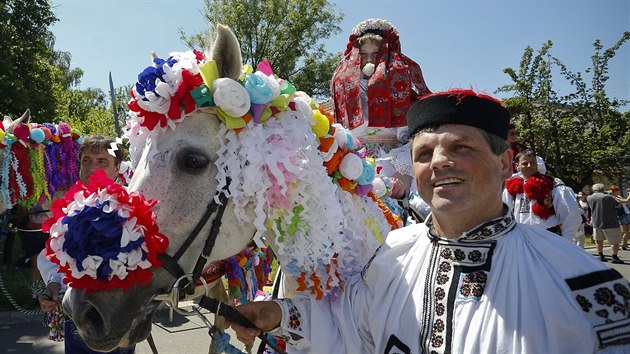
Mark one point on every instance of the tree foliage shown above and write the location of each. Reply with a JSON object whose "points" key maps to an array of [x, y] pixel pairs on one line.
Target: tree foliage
{"points": [[27, 74], [577, 134], [87, 110], [288, 33]]}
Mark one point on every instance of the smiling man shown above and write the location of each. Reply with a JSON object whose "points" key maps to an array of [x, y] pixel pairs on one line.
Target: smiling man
{"points": [[470, 279], [540, 200]]}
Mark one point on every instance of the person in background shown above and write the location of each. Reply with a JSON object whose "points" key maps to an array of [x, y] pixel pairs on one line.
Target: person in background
{"points": [[93, 155], [468, 280], [540, 200], [623, 214], [604, 220], [586, 215], [372, 89]]}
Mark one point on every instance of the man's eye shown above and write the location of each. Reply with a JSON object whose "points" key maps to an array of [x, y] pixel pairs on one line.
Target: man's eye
{"points": [[423, 156]]}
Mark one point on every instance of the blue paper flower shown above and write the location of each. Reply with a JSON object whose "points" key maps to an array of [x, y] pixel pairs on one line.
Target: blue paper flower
{"points": [[95, 232], [258, 88], [367, 176]]}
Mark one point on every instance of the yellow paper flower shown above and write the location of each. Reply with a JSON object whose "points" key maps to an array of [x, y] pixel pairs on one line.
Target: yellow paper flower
{"points": [[321, 124]]}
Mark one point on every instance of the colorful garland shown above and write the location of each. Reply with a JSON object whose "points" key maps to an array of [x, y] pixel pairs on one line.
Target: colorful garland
{"points": [[103, 237], [38, 161], [247, 273], [280, 165], [537, 188]]}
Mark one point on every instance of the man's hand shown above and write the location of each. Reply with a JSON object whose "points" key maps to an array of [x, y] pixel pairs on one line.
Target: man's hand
{"points": [[47, 304], [402, 183], [266, 315]]}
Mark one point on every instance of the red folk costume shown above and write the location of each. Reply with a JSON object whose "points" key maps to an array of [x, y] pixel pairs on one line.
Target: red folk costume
{"points": [[396, 83]]}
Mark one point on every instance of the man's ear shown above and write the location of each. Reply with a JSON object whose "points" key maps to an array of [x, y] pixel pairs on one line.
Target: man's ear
{"points": [[506, 164]]}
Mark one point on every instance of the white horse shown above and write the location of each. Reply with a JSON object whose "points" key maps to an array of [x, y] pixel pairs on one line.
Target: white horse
{"points": [[273, 178]]}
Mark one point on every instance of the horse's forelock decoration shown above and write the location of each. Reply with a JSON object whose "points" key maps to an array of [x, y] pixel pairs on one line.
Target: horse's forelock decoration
{"points": [[278, 151], [124, 241]]}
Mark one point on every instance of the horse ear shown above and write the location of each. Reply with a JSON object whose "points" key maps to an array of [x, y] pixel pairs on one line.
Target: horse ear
{"points": [[8, 123], [25, 118], [227, 53]]}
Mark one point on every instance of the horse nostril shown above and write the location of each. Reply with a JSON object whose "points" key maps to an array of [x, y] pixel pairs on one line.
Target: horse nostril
{"points": [[94, 323]]}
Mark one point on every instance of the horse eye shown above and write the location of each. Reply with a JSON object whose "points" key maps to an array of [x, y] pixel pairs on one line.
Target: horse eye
{"points": [[192, 161]]}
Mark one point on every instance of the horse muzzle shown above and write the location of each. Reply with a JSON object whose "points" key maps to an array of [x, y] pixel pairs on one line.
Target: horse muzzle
{"points": [[102, 321]]}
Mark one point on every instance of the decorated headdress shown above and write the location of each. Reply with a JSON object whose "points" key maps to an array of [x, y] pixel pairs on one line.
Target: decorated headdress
{"points": [[396, 83], [279, 153]]}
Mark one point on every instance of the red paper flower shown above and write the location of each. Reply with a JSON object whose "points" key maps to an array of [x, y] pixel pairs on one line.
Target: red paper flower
{"points": [[514, 186]]}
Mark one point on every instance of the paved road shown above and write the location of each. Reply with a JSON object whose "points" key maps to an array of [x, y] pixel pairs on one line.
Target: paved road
{"points": [[25, 335]]}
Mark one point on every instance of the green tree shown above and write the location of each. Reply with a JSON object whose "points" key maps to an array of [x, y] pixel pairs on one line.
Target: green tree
{"points": [[87, 110], [32, 74], [598, 114], [122, 98], [25, 44], [288, 33], [579, 133]]}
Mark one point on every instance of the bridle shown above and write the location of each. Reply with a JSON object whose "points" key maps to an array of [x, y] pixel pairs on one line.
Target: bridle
{"points": [[185, 282], [185, 287]]}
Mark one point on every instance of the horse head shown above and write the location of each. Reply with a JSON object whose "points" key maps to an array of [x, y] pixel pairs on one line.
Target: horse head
{"points": [[177, 168], [260, 148]]}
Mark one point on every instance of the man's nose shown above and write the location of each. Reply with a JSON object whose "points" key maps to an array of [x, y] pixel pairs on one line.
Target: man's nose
{"points": [[441, 159]]}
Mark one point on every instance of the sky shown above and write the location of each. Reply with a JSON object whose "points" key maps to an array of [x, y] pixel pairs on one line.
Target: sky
{"points": [[457, 43]]}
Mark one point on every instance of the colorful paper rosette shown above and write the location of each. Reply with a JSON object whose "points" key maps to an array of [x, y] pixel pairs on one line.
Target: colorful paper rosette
{"points": [[103, 237]]}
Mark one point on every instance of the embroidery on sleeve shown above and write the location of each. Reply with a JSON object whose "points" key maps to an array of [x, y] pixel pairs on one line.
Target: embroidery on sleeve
{"points": [[604, 297]]}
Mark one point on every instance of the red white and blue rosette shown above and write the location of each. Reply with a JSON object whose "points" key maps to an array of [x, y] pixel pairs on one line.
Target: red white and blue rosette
{"points": [[103, 237]]}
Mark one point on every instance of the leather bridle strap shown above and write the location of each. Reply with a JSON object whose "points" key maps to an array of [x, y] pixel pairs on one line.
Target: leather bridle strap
{"points": [[210, 241], [171, 264]]}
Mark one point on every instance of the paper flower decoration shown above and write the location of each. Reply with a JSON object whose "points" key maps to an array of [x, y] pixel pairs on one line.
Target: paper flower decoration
{"points": [[231, 97], [284, 160], [103, 237]]}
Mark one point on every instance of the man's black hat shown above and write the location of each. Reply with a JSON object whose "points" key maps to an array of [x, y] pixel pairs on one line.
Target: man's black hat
{"points": [[459, 107]]}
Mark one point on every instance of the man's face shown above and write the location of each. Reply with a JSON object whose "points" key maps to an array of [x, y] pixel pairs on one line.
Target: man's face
{"points": [[528, 165], [512, 136], [92, 160], [369, 51], [456, 172]]}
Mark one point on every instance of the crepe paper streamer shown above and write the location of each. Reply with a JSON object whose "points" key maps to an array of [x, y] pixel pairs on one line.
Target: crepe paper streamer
{"points": [[209, 72], [202, 96], [37, 135], [351, 166], [287, 88], [265, 68], [229, 121]]}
